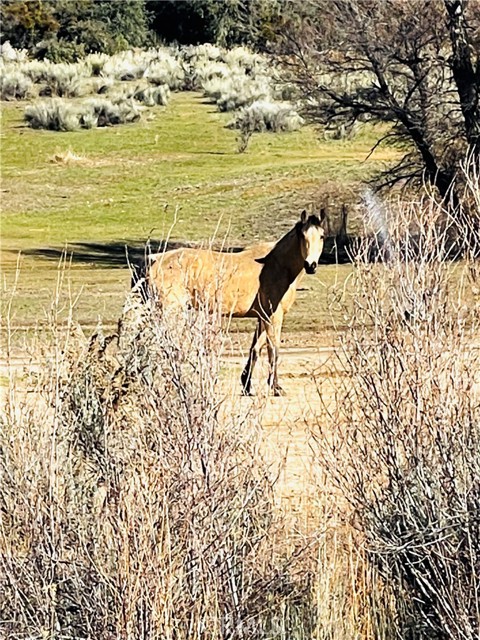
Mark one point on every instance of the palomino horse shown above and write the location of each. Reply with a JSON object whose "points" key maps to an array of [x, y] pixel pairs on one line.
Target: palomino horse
{"points": [[260, 281]]}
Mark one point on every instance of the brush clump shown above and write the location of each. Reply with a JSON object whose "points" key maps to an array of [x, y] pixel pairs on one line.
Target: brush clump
{"points": [[144, 511]]}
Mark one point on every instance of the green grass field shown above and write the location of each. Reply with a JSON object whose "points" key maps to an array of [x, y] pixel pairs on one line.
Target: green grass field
{"points": [[175, 174]]}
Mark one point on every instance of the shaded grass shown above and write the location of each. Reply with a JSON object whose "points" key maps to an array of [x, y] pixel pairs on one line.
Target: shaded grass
{"points": [[177, 171]]}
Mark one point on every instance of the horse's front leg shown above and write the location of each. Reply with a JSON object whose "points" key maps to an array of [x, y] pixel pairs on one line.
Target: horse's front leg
{"points": [[258, 342], [274, 330]]}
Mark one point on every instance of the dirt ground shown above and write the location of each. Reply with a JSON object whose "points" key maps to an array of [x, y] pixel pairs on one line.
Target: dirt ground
{"points": [[288, 422], [308, 376]]}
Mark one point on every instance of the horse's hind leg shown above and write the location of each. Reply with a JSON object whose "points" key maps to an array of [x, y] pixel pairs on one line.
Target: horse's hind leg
{"points": [[259, 338], [273, 331]]}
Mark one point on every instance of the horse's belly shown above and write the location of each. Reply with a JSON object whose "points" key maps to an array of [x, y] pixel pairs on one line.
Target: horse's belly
{"points": [[237, 303]]}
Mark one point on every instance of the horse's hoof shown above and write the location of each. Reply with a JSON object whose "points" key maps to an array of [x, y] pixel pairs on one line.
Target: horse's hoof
{"points": [[279, 392], [247, 393]]}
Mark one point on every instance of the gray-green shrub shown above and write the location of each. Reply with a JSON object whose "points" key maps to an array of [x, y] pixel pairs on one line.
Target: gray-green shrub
{"points": [[262, 115], [55, 115], [128, 65], [60, 115], [10, 54], [65, 80], [166, 70], [14, 85], [152, 96], [237, 90], [111, 113], [36, 70], [96, 63]]}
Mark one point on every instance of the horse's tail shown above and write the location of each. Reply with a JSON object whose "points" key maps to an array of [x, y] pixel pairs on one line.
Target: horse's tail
{"points": [[139, 280]]}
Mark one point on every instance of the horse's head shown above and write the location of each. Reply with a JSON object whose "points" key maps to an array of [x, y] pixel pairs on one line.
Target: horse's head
{"points": [[311, 235]]}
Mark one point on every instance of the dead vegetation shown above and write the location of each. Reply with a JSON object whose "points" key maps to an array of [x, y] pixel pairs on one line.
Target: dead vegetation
{"points": [[128, 509], [402, 438]]}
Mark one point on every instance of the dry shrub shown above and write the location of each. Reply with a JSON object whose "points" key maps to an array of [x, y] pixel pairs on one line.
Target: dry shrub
{"points": [[403, 439], [130, 507], [263, 115], [67, 157], [14, 85]]}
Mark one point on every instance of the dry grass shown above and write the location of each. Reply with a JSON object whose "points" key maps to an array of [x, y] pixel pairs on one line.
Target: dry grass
{"points": [[68, 157], [150, 503], [402, 439], [141, 515]]}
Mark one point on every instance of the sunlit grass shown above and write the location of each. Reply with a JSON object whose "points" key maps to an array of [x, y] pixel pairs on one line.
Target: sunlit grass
{"points": [[176, 173]]}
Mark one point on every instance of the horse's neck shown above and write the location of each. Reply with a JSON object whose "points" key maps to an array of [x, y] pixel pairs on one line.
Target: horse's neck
{"points": [[287, 255]]}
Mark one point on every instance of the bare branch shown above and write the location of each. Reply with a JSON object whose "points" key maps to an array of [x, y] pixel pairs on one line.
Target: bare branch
{"points": [[399, 63]]}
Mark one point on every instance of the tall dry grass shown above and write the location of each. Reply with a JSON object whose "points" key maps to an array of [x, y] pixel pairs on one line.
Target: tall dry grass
{"points": [[402, 439], [129, 507]]}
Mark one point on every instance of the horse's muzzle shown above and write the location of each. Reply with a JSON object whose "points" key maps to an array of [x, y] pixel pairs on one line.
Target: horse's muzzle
{"points": [[310, 267]]}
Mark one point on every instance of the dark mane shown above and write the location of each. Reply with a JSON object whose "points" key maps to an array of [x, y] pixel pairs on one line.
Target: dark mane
{"points": [[279, 244]]}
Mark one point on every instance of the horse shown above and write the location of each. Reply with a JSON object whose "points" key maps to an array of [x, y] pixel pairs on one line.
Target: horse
{"points": [[258, 282]]}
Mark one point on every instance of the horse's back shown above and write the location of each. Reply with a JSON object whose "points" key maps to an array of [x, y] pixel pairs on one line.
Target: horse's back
{"points": [[202, 275]]}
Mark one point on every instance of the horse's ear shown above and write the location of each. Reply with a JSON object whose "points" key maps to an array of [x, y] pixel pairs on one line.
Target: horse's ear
{"points": [[323, 214], [303, 217]]}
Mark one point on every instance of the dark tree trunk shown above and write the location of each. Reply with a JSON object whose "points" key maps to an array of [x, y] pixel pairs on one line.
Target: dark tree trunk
{"points": [[442, 178], [467, 78]]}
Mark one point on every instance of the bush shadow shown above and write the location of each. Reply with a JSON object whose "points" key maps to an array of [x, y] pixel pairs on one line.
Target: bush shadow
{"points": [[110, 255]]}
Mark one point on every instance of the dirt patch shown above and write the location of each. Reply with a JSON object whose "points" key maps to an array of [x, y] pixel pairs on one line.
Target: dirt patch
{"points": [[289, 422]]}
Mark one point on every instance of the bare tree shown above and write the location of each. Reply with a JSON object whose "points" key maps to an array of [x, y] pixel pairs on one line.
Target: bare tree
{"points": [[414, 65]]}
